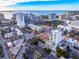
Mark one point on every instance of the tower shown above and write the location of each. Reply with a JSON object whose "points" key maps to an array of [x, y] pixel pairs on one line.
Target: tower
{"points": [[52, 16], [19, 17]]}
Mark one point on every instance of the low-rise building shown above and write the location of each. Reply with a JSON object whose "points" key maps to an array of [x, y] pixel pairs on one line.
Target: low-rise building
{"points": [[15, 50], [34, 27], [7, 35]]}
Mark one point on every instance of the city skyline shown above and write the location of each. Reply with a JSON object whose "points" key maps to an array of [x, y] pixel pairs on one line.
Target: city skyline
{"points": [[27, 33], [9, 14], [39, 29]]}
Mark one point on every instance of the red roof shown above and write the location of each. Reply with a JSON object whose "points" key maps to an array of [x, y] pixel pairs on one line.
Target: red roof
{"points": [[43, 36]]}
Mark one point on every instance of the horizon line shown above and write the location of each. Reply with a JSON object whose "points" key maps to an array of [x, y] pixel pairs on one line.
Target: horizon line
{"points": [[36, 10]]}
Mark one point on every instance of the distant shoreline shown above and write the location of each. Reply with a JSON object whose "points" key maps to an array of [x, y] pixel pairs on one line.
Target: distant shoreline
{"points": [[39, 10]]}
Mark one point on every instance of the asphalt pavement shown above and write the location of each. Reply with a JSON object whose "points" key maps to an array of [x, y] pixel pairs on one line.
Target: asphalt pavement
{"points": [[6, 56], [19, 56]]}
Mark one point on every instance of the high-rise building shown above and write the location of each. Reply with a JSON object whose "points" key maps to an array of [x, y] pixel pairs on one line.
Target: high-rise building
{"points": [[26, 19], [19, 17], [56, 37], [37, 20], [33, 19], [52, 16], [68, 16]]}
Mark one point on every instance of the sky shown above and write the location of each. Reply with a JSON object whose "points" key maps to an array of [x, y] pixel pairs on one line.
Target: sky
{"points": [[39, 5]]}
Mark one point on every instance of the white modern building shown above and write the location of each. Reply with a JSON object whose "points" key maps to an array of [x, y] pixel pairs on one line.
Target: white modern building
{"points": [[34, 27], [56, 37], [20, 20], [7, 35], [18, 31]]}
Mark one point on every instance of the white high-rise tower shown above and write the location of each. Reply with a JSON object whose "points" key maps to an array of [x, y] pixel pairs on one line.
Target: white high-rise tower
{"points": [[20, 20]]}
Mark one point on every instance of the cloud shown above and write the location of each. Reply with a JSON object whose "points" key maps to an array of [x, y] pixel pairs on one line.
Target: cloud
{"points": [[13, 2], [48, 7], [45, 2], [42, 5], [6, 3]]}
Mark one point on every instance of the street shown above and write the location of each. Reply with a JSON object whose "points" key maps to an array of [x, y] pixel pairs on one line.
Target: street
{"points": [[4, 49]]}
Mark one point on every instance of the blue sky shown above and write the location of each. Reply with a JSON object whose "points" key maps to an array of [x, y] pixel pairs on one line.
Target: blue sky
{"points": [[41, 4], [49, 2]]}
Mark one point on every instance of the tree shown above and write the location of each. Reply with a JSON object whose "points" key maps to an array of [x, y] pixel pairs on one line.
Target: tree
{"points": [[65, 54], [41, 41], [2, 33], [59, 52], [24, 56], [34, 41], [47, 50], [65, 32]]}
